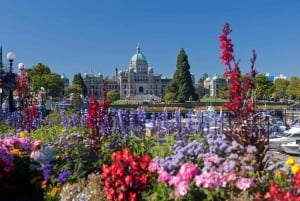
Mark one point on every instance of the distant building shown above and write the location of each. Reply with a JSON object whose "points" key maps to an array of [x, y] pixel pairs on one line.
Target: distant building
{"points": [[65, 80], [213, 84], [138, 81], [280, 77], [273, 78]]}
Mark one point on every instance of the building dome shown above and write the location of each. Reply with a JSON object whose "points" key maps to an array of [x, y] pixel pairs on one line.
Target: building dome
{"points": [[64, 77], [138, 56], [208, 79], [215, 77]]}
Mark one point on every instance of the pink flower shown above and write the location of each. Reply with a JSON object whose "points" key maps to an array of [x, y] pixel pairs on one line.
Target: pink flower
{"points": [[182, 188], [12, 142], [35, 154], [163, 176], [244, 183], [188, 170], [231, 177], [153, 166], [175, 180], [213, 158], [37, 144], [211, 180]]}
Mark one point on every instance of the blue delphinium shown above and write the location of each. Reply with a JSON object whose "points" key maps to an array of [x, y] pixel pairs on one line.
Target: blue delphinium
{"points": [[182, 153], [63, 176], [46, 171]]}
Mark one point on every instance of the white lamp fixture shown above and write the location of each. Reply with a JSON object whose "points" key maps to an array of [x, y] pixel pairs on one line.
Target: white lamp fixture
{"points": [[21, 66], [11, 56]]}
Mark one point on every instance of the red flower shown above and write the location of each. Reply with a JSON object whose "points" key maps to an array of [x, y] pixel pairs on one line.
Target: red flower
{"points": [[125, 175], [288, 196], [297, 179], [273, 189], [121, 196], [110, 193], [144, 179], [132, 196], [128, 180], [105, 171], [118, 182]]}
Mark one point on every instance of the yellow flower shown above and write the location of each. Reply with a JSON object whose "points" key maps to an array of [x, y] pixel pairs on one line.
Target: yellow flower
{"points": [[57, 157], [44, 184], [295, 168], [15, 151], [23, 134], [53, 191], [290, 161]]}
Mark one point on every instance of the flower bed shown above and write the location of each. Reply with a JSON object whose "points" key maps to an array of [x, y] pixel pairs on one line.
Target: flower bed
{"points": [[98, 157]]}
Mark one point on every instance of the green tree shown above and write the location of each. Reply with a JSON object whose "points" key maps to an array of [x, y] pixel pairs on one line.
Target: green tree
{"points": [[41, 76], [280, 87], [182, 84], [200, 87], [202, 79], [74, 92], [170, 96], [263, 86], [113, 96], [77, 79], [53, 84], [293, 88], [223, 92]]}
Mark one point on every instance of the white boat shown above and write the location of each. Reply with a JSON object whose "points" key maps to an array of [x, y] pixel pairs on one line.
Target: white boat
{"points": [[291, 148], [289, 135]]}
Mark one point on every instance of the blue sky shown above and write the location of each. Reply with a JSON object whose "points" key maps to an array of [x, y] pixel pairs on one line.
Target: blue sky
{"points": [[73, 36]]}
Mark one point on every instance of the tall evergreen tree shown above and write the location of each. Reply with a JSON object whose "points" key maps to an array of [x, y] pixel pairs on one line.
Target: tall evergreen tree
{"points": [[77, 79], [181, 87]]}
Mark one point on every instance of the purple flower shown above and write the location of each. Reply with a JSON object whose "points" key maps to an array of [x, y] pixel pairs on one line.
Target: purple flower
{"points": [[46, 171], [63, 176], [251, 149]]}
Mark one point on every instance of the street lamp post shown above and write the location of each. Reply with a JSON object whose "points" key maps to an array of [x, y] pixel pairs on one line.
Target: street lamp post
{"points": [[11, 57]]}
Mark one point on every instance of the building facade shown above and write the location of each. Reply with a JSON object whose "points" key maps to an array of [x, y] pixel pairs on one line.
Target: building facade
{"points": [[137, 81], [213, 84]]}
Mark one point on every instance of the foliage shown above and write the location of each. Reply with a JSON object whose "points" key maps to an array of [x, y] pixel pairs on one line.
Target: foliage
{"points": [[182, 84], [68, 160], [280, 87], [113, 96], [223, 92], [263, 87], [78, 80], [294, 87], [74, 91], [41, 76]]}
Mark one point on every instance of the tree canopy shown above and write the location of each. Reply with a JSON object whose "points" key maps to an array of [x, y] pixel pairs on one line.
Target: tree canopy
{"points": [[77, 79], [181, 87], [263, 87], [41, 76]]}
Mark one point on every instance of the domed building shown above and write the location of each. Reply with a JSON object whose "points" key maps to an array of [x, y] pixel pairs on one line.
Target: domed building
{"points": [[137, 81], [65, 80], [213, 84]]}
